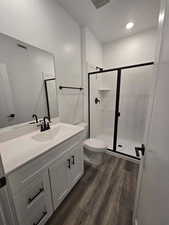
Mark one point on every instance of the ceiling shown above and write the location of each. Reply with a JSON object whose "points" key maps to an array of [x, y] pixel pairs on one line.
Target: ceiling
{"points": [[108, 23]]}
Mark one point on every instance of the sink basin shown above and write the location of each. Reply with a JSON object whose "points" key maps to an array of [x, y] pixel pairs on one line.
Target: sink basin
{"points": [[50, 134], [19, 150]]}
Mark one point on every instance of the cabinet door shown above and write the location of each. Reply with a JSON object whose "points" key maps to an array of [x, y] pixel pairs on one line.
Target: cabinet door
{"points": [[59, 171], [77, 167]]}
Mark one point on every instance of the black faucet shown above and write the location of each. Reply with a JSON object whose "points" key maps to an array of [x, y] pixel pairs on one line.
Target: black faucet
{"points": [[45, 125], [34, 116]]}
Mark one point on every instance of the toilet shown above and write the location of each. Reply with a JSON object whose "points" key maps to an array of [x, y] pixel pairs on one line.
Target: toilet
{"points": [[93, 148], [94, 151]]}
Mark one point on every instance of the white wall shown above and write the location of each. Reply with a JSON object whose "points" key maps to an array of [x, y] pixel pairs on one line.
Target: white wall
{"points": [[92, 57], [46, 25], [135, 49], [94, 50]]}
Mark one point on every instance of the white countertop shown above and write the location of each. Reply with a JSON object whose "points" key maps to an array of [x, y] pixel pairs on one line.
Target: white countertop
{"points": [[18, 151]]}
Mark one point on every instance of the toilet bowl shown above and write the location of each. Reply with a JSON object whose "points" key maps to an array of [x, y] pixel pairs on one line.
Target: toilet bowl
{"points": [[94, 151]]}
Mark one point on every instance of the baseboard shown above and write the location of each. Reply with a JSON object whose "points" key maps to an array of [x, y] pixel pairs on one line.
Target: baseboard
{"points": [[123, 157]]}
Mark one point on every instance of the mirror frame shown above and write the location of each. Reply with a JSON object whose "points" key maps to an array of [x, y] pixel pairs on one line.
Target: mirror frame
{"points": [[47, 96]]}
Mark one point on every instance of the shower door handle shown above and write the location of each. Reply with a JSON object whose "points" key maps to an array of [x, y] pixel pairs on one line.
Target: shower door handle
{"points": [[12, 115], [2, 182], [140, 149]]}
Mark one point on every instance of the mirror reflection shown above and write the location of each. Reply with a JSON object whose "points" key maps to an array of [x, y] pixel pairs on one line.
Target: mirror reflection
{"points": [[51, 97], [23, 71]]}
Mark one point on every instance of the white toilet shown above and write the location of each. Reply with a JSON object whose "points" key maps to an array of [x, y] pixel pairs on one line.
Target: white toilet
{"points": [[94, 151], [93, 148]]}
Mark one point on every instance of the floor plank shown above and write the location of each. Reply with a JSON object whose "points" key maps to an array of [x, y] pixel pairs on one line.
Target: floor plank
{"points": [[103, 196]]}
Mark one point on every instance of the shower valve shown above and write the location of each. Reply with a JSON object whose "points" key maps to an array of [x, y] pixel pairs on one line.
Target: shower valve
{"points": [[97, 101]]}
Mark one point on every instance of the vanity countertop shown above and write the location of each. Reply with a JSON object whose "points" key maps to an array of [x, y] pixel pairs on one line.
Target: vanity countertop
{"points": [[18, 151]]}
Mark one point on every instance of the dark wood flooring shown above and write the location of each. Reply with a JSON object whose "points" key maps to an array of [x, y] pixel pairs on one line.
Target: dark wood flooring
{"points": [[103, 196]]}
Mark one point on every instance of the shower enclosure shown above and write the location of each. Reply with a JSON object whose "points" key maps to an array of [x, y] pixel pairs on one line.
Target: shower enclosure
{"points": [[118, 101]]}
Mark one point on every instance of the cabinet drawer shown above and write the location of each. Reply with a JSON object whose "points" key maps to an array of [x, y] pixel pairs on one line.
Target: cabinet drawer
{"points": [[36, 193], [37, 214], [32, 191]]}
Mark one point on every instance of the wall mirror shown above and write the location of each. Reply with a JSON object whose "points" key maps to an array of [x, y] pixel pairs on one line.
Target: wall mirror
{"points": [[27, 78], [51, 97]]}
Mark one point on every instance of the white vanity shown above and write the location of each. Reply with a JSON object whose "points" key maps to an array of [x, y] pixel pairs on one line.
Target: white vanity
{"points": [[41, 169]]}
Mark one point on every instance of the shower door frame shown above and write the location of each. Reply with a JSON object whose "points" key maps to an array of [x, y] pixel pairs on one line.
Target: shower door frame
{"points": [[119, 71]]}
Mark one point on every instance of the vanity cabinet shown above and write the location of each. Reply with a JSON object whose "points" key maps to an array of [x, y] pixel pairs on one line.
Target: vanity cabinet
{"points": [[64, 173], [39, 186]]}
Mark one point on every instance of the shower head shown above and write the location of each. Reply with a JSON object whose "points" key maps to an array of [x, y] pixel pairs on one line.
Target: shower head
{"points": [[100, 3]]}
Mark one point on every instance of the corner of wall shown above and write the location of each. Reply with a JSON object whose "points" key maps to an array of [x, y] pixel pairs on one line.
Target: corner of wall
{"points": [[92, 55]]}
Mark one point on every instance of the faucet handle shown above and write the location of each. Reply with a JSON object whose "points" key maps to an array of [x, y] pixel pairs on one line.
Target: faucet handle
{"points": [[35, 117], [47, 126]]}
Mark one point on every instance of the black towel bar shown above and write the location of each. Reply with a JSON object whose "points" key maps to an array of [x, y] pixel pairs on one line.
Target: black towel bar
{"points": [[79, 88]]}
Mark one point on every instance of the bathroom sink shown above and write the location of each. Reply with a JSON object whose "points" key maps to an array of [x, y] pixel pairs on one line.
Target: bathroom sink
{"points": [[20, 150], [52, 133], [46, 135]]}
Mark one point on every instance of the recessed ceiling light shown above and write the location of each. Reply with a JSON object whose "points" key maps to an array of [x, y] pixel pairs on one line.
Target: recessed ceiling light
{"points": [[129, 25], [161, 17]]}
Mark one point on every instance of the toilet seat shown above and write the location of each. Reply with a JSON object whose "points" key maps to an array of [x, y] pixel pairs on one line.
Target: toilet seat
{"points": [[95, 145]]}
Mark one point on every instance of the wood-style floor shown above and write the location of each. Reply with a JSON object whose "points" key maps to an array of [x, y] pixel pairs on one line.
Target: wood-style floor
{"points": [[103, 196]]}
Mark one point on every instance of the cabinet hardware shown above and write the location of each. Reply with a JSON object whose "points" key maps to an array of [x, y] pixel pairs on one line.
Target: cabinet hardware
{"points": [[73, 159], [69, 163], [2, 182], [140, 149], [35, 196], [97, 101], [12, 115], [43, 215]]}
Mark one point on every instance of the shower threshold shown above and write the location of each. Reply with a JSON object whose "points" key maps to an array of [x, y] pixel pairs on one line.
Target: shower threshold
{"points": [[124, 146]]}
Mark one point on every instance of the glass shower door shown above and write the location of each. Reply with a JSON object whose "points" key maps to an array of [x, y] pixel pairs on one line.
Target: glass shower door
{"points": [[135, 93]]}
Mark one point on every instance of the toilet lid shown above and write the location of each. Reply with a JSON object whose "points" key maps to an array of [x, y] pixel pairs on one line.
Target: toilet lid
{"points": [[94, 144]]}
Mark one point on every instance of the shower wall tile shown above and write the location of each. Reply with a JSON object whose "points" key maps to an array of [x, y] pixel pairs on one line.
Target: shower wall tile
{"points": [[108, 121], [96, 119]]}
